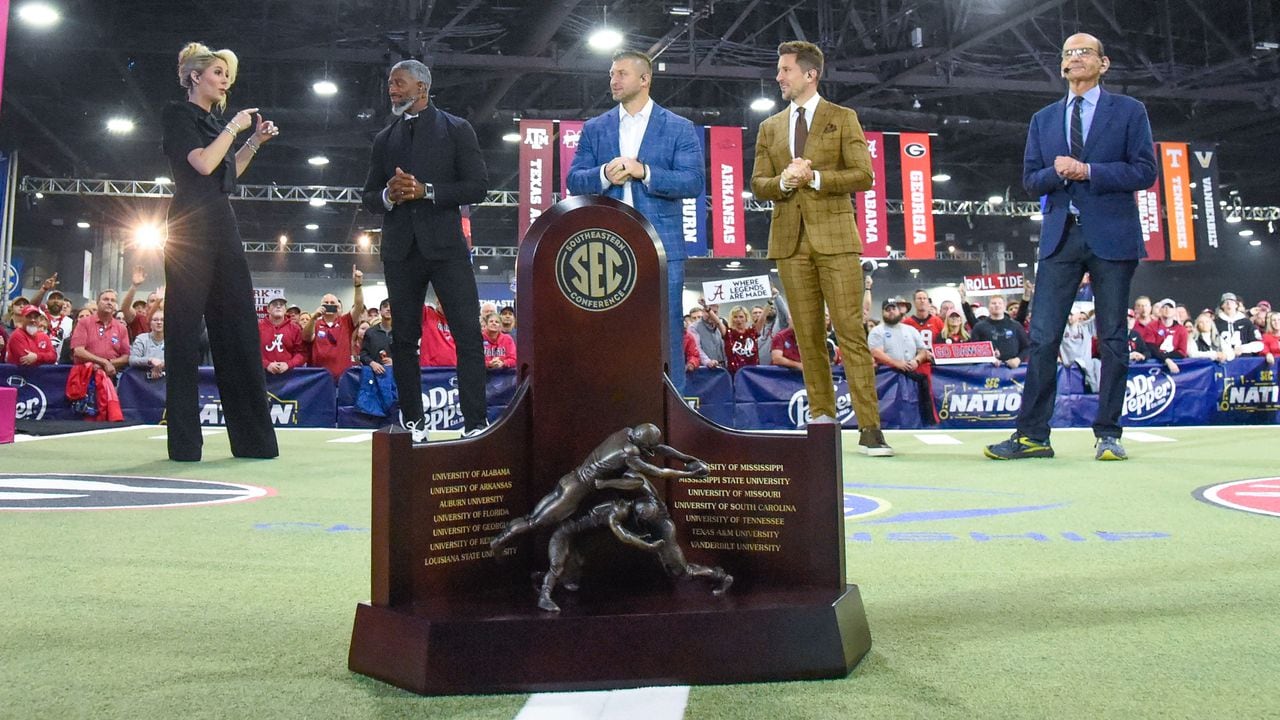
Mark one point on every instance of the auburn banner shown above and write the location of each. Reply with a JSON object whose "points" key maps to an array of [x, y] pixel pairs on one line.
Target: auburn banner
{"points": [[1177, 201], [1204, 174], [917, 196], [570, 131], [536, 156], [1149, 214], [727, 216], [693, 215], [871, 209]]}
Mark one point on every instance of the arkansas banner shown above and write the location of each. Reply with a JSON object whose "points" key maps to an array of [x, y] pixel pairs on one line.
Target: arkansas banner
{"points": [[1204, 174], [570, 131], [536, 153], [727, 216], [1149, 214], [917, 196], [1177, 201], [871, 210]]}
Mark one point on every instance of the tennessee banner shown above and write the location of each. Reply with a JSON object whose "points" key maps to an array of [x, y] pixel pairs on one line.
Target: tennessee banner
{"points": [[727, 217], [570, 131], [536, 154], [1149, 214], [917, 196], [1204, 173], [1177, 201], [871, 210]]}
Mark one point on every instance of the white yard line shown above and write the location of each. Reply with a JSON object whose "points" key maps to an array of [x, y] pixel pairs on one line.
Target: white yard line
{"points": [[938, 439], [1146, 437], [653, 703], [362, 437]]}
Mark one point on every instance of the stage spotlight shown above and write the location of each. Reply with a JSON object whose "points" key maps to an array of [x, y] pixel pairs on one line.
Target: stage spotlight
{"points": [[318, 160], [941, 177], [312, 226], [39, 15], [362, 241], [605, 39], [148, 237], [325, 88], [119, 126], [511, 137], [317, 202], [763, 104]]}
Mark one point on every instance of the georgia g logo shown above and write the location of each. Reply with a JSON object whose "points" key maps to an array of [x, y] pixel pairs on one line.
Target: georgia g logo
{"points": [[596, 269], [915, 150], [59, 491]]}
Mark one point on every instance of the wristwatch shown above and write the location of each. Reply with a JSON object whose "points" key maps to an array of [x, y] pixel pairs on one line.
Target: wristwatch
{"points": [[428, 191]]}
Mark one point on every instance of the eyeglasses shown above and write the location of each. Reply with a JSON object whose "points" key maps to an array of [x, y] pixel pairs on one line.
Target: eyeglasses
{"points": [[1078, 52]]}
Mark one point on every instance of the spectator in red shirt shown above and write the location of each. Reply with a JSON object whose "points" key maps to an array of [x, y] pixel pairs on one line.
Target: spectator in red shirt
{"points": [[29, 345], [740, 340], [101, 339], [437, 348], [330, 330], [280, 339], [499, 348], [1271, 337], [923, 319], [1165, 336], [785, 351], [137, 313]]}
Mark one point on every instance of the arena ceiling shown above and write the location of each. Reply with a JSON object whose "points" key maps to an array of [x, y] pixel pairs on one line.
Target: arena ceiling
{"points": [[971, 71]]}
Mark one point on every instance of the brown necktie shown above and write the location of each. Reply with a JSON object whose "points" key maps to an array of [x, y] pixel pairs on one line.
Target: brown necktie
{"points": [[802, 132]]}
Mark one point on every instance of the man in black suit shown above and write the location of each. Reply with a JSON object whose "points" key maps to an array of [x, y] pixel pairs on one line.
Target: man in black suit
{"points": [[424, 166]]}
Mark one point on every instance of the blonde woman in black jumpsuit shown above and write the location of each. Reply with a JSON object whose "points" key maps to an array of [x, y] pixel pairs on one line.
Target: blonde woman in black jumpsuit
{"points": [[206, 274]]}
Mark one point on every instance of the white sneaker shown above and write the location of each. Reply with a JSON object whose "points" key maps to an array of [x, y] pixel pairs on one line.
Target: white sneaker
{"points": [[417, 429], [475, 430], [823, 420]]}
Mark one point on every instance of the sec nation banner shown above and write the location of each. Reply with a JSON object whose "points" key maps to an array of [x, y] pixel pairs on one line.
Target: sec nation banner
{"points": [[536, 153], [727, 217], [1204, 175], [570, 132], [871, 207], [1177, 200], [917, 196]]}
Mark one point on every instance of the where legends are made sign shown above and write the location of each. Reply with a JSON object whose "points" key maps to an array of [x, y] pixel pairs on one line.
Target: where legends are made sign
{"points": [[722, 292], [998, 284]]}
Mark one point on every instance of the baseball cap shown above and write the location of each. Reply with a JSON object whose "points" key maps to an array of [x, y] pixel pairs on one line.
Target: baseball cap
{"points": [[29, 310], [1265, 304], [981, 312], [293, 309], [1227, 296], [954, 313], [1166, 301], [507, 309], [278, 299], [889, 302]]}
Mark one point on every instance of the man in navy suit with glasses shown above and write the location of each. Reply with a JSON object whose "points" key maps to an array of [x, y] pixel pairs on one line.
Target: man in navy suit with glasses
{"points": [[1086, 154]]}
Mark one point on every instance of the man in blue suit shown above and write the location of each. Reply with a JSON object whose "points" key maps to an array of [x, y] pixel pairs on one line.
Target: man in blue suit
{"points": [[1087, 153], [651, 159]]}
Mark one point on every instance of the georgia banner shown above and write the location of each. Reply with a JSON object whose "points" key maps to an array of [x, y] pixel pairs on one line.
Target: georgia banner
{"points": [[917, 196]]}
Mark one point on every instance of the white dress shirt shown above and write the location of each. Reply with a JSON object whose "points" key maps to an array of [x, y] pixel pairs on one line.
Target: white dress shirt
{"points": [[630, 133], [810, 107]]}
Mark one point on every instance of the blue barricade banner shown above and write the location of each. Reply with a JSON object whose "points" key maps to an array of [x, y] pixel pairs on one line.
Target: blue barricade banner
{"points": [[439, 399], [768, 397], [42, 391], [302, 397], [712, 393], [977, 396], [1247, 392]]}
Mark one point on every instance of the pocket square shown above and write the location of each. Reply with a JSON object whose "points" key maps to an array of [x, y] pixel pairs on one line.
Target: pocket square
{"points": [[831, 127]]}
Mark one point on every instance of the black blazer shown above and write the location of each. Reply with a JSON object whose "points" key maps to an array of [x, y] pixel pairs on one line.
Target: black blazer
{"points": [[446, 154]]}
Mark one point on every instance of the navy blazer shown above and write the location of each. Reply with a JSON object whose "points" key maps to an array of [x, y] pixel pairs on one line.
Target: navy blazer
{"points": [[446, 154], [1121, 159], [672, 150]]}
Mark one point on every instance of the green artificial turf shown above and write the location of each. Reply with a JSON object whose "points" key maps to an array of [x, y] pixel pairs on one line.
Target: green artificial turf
{"points": [[245, 609]]}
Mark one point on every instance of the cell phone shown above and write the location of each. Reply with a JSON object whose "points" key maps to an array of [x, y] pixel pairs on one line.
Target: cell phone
{"points": [[330, 307]]}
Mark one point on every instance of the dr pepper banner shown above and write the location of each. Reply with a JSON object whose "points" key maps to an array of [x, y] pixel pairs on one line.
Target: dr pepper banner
{"points": [[536, 155], [917, 196], [871, 207], [727, 217], [1177, 200]]}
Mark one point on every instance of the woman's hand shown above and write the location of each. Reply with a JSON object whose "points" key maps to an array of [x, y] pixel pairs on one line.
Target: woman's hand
{"points": [[265, 130]]}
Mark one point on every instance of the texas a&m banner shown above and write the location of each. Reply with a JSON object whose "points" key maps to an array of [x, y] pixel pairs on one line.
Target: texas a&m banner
{"points": [[570, 131], [1177, 200], [871, 209], [727, 217], [1204, 174], [917, 196], [536, 154]]}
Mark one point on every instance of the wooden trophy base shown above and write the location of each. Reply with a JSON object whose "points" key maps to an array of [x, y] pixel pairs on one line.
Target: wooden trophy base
{"points": [[685, 636]]}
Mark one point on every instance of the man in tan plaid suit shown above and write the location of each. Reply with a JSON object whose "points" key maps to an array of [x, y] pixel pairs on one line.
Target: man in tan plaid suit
{"points": [[809, 158]]}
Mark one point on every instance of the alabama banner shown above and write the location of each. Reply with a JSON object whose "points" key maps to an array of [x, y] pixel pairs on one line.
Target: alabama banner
{"points": [[570, 131], [1204, 175], [536, 153], [1149, 214], [727, 216], [917, 196], [871, 209], [1177, 201]]}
